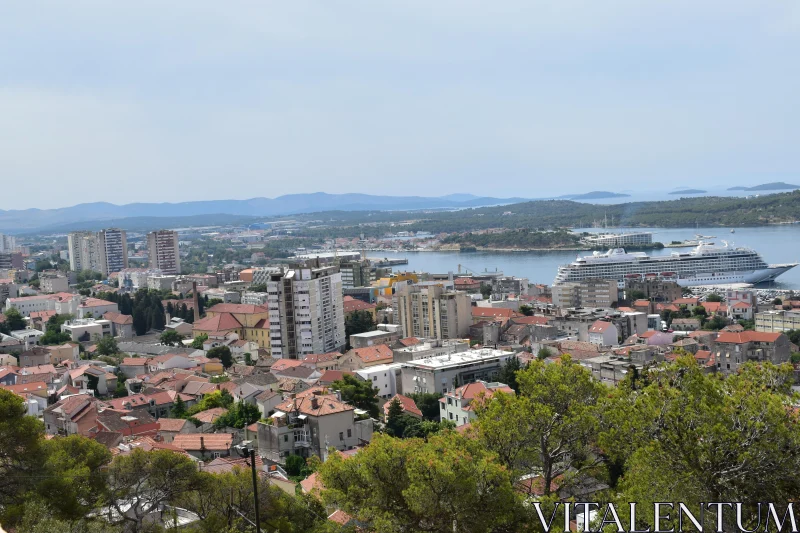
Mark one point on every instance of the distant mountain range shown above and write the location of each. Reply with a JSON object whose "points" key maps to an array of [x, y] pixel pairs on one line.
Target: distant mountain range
{"points": [[83, 215], [773, 186], [689, 191]]}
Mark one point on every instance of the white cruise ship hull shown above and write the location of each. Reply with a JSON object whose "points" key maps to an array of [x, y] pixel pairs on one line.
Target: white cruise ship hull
{"points": [[751, 278]]}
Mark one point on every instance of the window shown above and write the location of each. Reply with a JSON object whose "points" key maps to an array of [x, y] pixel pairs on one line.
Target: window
{"points": [[341, 435], [456, 418], [349, 433], [450, 416], [449, 401], [286, 438], [374, 378], [217, 455]]}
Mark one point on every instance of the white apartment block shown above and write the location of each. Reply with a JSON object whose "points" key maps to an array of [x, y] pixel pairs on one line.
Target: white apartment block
{"points": [[61, 303], [163, 250], [51, 281], [113, 246], [160, 282], [7, 243], [383, 378], [254, 298], [446, 372], [306, 312], [615, 240], [86, 329]]}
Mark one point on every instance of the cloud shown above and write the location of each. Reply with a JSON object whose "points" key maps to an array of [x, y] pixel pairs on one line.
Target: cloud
{"points": [[162, 101]]}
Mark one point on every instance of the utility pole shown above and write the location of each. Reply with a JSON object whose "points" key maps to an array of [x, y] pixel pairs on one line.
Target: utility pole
{"points": [[255, 487]]}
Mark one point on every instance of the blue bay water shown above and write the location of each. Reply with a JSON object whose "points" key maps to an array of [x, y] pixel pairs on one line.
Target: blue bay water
{"points": [[776, 244]]}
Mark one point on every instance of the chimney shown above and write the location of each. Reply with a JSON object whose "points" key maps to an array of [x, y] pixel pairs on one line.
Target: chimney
{"points": [[202, 443], [195, 302], [314, 402]]}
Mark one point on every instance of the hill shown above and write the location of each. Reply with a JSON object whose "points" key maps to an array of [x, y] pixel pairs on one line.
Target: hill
{"points": [[772, 186]]}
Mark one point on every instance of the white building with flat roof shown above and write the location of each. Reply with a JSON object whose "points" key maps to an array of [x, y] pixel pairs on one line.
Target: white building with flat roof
{"points": [[383, 378], [446, 372]]}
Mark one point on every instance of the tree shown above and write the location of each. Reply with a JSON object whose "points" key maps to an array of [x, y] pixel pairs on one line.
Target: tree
{"points": [[248, 359], [508, 373], [21, 438], [693, 437], [714, 297], [394, 418], [295, 465], [178, 408], [636, 294], [542, 354], [777, 301], [428, 403], [171, 337], [139, 321], [715, 323], [241, 414], [140, 482], [699, 311], [526, 310], [223, 353], [794, 336], [198, 341], [358, 322], [359, 394], [447, 483], [549, 426], [795, 358], [486, 291], [14, 320], [107, 346]]}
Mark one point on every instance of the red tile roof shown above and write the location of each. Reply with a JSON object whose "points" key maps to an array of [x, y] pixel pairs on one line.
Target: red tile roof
{"points": [[471, 391], [727, 337], [315, 358], [219, 322], [134, 361], [95, 302], [409, 405], [492, 312], [118, 318], [329, 376], [531, 320], [351, 304], [599, 326], [714, 307], [26, 388], [172, 424], [283, 364], [208, 416], [686, 301], [203, 441], [409, 341], [325, 405], [371, 354]]}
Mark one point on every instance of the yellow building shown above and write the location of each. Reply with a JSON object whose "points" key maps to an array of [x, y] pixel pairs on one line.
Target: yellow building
{"points": [[385, 285], [250, 322]]}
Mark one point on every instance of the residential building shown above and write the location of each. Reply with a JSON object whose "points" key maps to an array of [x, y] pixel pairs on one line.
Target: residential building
{"points": [[355, 273], [163, 250], [73, 415], [205, 445], [384, 378], [352, 305], [112, 246], [11, 260], [458, 405], [51, 281], [442, 373], [90, 377], [323, 361], [8, 289], [306, 313], [735, 349], [592, 293], [255, 298], [248, 322], [653, 290], [612, 367], [160, 282], [508, 285], [36, 356], [777, 320], [358, 358], [69, 351], [379, 336], [96, 308], [86, 329], [431, 311], [309, 425], [169, 428], [82, 250], [121, 325], [407, 405], [62, 303], [603, 333], [8, 243], [408, 350]]}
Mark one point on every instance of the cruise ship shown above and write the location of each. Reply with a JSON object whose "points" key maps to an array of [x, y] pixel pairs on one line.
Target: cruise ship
{"points": [[706, 264]]}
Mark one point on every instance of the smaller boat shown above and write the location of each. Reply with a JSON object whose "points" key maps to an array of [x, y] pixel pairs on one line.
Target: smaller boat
{"points": [[733, 231]]}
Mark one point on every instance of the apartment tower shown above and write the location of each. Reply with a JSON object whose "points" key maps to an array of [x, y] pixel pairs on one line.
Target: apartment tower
{"points": [[306, 313], [162, 247]]}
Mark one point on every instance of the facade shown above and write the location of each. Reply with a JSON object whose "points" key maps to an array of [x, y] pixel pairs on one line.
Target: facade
{"points": [[777, 320], [7, 243], [616, 240], [86, 329], [458, 405], [355, 274], [309, 425], [306, 313], [254, 298], [603, 333], [79, 250], [654, 290], [51, 281], [163, 250], [446, 372], [587, 293], [113, 250], [431, 311], [735, 349], [160, 282], [248, 322], [384, 378]]}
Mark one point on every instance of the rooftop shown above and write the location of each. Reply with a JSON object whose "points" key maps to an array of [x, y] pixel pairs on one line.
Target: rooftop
{"points": [[460, 358]]}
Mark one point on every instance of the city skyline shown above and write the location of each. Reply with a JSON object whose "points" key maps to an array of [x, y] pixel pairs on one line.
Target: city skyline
{"points": [[442, 98]]}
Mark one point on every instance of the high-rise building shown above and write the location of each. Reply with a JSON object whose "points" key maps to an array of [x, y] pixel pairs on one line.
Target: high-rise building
{"points": [[430, 310], [78, 259], [113, 248], [306, 313], [162, 246], [7, 243], [355, 274]]}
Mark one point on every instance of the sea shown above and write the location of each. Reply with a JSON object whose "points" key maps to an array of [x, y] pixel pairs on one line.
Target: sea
{"points": [[776, 244]]}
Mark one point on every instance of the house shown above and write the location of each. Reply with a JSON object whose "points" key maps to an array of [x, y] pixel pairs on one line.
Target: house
{"points": [[69, 351], [34, 357], [170, 427], [168, 361], [133, 366], [686, 324], [247, 392], [86, 329], [180, 326], [734, 349], [323, 361], [741, 311], [267, 401], [121, 325], [73, 415], [603, 333], [467, 284], [715, 308], [690, 345], [205, 445], [651, 338], [8, 360], [408, 405], [250, 322], [128, 423], [358, 358], [89, 377], [310, 425], [351, 305], [301, 372], [492, 314], [382, 377], [208, 417], [95, 307], [329, 376], [458, 405]]}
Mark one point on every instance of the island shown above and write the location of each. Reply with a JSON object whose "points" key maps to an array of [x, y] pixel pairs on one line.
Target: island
{"points": [[594, 195], [772, 186], [688, 191]]}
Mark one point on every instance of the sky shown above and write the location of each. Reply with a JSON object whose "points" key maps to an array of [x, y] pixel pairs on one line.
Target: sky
{"points": [[154, 101]]}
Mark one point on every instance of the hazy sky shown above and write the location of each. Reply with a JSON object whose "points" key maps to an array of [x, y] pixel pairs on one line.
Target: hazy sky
{"points": [[190, 100]]}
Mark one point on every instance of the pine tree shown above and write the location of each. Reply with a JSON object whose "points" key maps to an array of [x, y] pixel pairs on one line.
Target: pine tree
{"points": [[178, 408]]}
